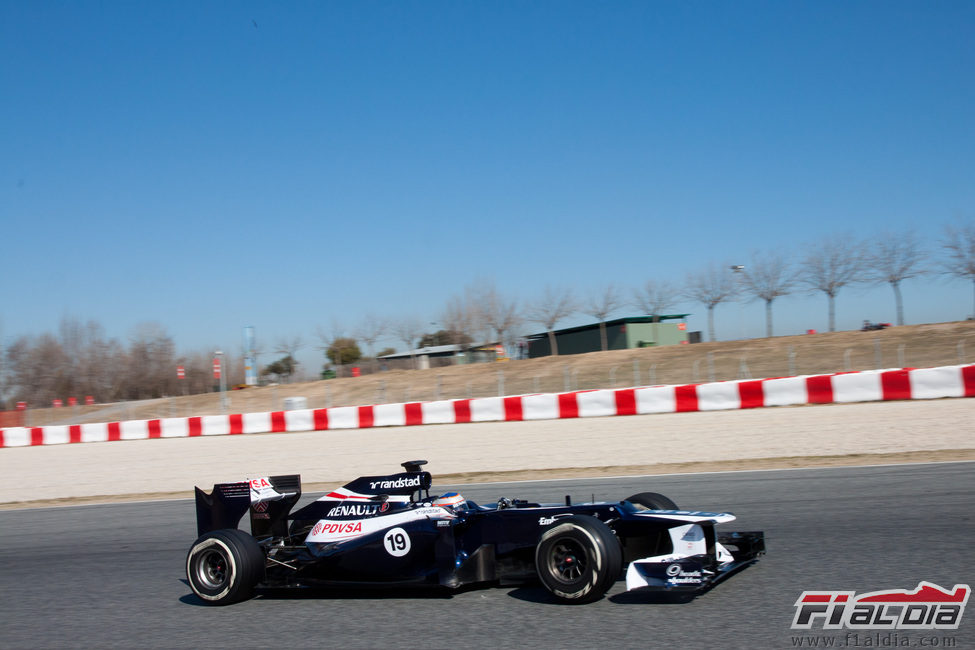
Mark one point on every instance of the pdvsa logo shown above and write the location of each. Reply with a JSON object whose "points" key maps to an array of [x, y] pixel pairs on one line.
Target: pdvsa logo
{"points": [[928, 607]]}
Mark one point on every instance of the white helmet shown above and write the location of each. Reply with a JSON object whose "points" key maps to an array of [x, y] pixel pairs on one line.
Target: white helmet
{"points": [[450, 501]]}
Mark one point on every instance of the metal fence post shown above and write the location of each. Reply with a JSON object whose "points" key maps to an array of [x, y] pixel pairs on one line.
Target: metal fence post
{"points": [[501, 383], [900, 355], [653, 374], [439, 382], [961, 352], [743, 371], [792, 361], [636, 372], [846, 359], [612, 376], [711, 366], [697, 365], [877, 354], [565, 377]]}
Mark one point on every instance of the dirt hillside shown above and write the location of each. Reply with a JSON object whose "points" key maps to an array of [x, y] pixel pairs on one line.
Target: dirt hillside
{"points": [[914, 346]]}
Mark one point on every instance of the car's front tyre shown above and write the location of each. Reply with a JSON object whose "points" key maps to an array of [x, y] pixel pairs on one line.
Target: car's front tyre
{"points": [[224, 566], [652, 501], [578, 559]]}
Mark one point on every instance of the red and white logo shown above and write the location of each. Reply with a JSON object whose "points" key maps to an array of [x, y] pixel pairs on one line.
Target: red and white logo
{"points": [[928, 607]]}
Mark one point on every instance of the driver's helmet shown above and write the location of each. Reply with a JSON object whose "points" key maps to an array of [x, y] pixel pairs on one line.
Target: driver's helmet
{"points": [[450, 501]]}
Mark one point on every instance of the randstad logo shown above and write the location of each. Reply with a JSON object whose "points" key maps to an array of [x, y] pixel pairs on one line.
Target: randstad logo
{"points": [[928, 607], [398, 483]]}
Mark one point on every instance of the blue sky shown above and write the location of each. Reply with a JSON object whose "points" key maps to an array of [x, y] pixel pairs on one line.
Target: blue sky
{"points": [[288, 165]]}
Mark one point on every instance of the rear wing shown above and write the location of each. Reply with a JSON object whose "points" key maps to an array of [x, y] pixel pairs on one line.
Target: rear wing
{"points": [[269, 500]]}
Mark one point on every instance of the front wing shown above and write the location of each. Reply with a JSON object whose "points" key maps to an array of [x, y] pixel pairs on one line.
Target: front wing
{"points": [[707, 559]]}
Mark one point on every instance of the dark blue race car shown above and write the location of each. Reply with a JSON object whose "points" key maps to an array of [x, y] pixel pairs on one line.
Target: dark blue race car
{"points": [[388, 530]]}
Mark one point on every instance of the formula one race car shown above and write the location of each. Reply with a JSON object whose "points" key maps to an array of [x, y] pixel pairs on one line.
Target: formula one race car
{"points": [[387, 530]]}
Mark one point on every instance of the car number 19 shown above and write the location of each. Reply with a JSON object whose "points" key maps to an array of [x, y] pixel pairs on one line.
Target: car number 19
{"points": [[397, 542]]}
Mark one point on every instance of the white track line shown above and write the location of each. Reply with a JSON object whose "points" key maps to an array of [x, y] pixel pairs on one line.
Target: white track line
{"points": [[541, 480]]}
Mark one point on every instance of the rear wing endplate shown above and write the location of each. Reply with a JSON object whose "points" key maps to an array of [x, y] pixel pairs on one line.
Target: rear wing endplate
{"points": [[269, 506]]}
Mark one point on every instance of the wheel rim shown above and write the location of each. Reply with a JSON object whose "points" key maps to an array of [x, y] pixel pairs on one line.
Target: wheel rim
{"points": [[211, 569], [567, 561]]}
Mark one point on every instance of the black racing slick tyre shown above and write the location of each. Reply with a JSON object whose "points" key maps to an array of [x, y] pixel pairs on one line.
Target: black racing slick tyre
{"points": [[652, 501], [224, 566], [578, 559]]}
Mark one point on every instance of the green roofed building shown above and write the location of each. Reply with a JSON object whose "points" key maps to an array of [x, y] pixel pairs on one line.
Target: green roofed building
{"points": [[621, 333]]}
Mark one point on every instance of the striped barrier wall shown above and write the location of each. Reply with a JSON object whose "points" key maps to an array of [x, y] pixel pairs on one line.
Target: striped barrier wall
{"points": [[867, 386]]}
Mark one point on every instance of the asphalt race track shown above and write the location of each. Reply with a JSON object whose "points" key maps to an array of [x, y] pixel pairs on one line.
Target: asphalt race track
{"points": [[112, 575]]}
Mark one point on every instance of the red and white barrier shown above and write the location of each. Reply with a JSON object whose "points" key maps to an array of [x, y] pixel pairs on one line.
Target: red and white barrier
{"points": [[874, 385]]}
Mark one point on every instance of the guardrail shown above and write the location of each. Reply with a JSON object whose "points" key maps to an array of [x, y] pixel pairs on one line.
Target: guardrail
{"points": [[842, 387]]}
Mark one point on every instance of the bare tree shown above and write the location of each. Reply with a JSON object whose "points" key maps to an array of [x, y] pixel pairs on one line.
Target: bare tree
{"points": [[463, 317], [37, 367], [655, 298], [289, 347], [553, 306], [893, 258], [79, 362], [710, 288], [150, 369], [371, 330], [408, 330], [327, 336], [499, 313], [959, 242], [768, 276], [600, 304], [831, 264], [198, 369]]}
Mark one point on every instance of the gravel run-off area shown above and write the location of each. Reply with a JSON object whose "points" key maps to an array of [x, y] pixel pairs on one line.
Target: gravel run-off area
{"points": [[861, 434]]}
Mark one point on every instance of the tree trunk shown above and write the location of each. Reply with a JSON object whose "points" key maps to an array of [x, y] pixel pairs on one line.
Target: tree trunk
{"points": [[768, 318], [832, 312], [552, 344], [898, 302]]}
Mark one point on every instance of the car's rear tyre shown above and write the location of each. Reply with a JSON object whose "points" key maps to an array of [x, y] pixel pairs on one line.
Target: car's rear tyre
{"points": [[578, 559], [652, 501], [224, 566]]}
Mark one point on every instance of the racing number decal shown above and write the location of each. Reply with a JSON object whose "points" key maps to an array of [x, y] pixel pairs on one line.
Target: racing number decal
{"points": [[397, 542]]}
